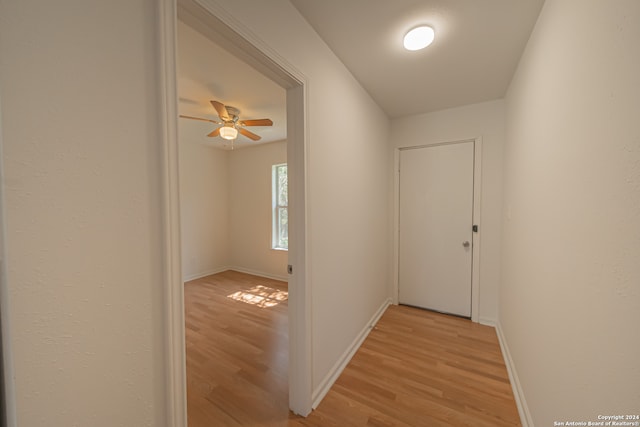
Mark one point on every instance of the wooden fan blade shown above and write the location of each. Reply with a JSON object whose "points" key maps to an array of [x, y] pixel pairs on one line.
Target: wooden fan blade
{"points": [[215, 133], [221, 109], [199, 118], [256, 122], [249, 134]]}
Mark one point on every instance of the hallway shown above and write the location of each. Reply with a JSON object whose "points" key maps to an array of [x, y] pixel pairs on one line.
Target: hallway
{"points": [[416, 368]]}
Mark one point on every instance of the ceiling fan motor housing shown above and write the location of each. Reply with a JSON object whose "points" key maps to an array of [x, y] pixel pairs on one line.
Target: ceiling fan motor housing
{"points": [[233, 112]]}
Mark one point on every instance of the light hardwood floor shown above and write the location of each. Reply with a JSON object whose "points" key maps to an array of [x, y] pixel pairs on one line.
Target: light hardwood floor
{"points": [[416, 368]]}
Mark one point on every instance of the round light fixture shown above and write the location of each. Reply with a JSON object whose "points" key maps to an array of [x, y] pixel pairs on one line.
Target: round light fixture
{"points": [[228, 132], [419, 38]]}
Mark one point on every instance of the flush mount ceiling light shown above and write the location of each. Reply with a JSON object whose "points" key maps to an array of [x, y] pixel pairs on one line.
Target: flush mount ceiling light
{"points": [[419, 38]]}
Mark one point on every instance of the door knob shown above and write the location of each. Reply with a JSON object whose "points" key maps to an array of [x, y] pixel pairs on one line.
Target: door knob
{"points": [[466, 244]]}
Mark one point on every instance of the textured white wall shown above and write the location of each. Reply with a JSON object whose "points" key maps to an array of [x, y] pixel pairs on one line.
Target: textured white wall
{"points": [[204, 207], [348, 170], [250, 210], [80, 130], [484, 120], [225, 209], [570, 297]]}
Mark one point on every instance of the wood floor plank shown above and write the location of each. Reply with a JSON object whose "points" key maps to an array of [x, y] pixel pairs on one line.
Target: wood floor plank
{"points": [[416, 368]]}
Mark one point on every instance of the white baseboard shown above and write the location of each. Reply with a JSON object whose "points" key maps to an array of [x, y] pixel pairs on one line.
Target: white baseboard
{"points": [[342, 362], [259, 273], [518, 394], [204, 274]]}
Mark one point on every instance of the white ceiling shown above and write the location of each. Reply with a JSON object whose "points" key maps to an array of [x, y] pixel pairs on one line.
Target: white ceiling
{"points": [[477, 47], [208, 72], [476, 50]]}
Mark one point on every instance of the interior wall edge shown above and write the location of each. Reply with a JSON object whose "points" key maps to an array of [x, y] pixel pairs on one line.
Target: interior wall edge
{"points": [[8, 394], [174, 321], [518, 392], [488, 321], [325, 385]]}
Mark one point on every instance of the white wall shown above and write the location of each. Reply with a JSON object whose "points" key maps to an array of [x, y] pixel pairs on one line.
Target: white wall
{"points": [[80, 129], [250, 210], [570, 297], [204, 207], [484, 120], [348, 189], [225, 209]]}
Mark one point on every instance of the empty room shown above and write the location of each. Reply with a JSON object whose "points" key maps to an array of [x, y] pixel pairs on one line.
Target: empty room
{"points": [[463, 218], [234, 232]]}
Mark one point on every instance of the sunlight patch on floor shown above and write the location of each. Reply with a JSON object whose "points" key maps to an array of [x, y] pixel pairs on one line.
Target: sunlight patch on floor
{"points": [[261, 296]]}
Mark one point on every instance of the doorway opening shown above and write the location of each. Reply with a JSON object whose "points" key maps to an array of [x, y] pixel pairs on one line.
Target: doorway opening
{"points": [[235, 283], [218, 26]]}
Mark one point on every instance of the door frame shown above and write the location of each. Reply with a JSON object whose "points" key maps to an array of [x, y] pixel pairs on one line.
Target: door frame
{"points": [[8, 416], [477, 204], [259, 54]]}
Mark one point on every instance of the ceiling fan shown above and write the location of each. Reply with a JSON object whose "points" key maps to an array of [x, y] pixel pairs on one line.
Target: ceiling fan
{"points": [[231, 123]]}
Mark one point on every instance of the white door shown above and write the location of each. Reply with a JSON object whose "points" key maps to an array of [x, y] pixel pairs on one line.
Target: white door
{"points": [[436, 219]]}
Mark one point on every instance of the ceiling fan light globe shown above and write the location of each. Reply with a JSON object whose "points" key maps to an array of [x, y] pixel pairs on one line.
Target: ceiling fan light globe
{"points": [[229, 133]]}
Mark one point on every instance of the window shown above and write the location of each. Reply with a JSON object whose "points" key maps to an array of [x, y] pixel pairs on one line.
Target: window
{"points": [[280, 202]]}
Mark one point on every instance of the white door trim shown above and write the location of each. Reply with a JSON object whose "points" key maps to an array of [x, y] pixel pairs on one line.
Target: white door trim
{"points": [[477, 203], [268, 61], [175, 359], [9, 417]]}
